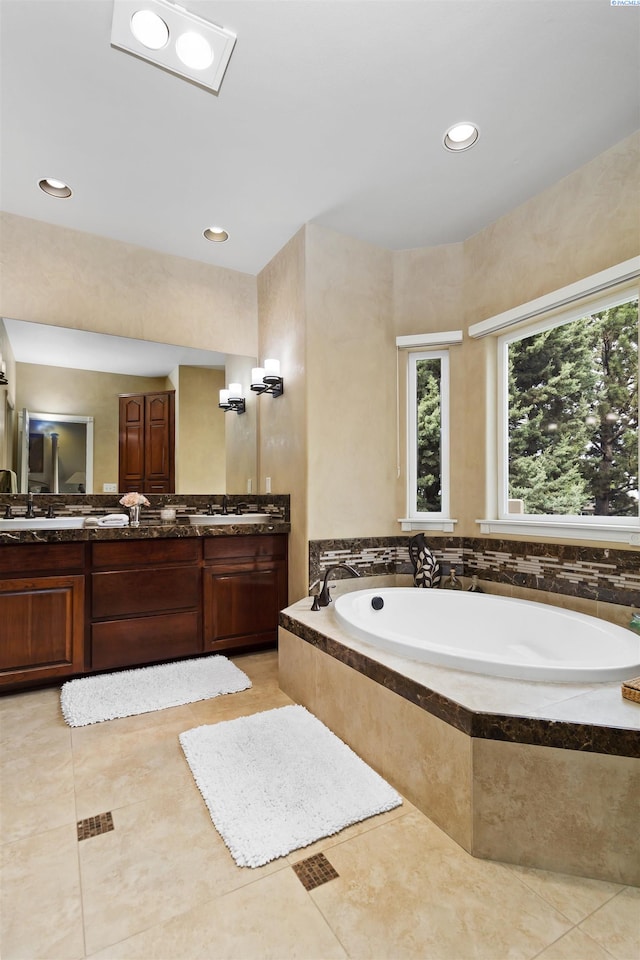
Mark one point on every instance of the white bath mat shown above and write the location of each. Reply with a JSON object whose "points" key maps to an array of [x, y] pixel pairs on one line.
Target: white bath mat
{"points": [[129, 692], [279, 780]]}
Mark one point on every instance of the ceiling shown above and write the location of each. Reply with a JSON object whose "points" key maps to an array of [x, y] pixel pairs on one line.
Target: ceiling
{"points": [[331, 111], [82, 350]]}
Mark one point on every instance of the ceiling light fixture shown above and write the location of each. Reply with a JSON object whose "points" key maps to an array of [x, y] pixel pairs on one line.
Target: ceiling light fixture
{"points": [[216, 234], [461, 136], [149, 29], [173, 38], [55, 188]]}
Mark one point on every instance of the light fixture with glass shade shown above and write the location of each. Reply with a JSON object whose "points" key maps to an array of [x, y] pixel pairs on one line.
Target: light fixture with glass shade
{"points": [[232, 399], [267, 379], [173, 38]]}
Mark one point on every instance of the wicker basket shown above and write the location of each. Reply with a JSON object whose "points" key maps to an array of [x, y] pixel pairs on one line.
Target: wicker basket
{"points": [[631, 689]]}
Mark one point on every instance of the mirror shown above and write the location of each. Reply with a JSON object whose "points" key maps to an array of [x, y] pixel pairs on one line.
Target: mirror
{"points": [[81, 374], [55, 453]]}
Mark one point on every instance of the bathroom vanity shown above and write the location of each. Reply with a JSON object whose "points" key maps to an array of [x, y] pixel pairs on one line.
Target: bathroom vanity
{"points": [[105, 599]]}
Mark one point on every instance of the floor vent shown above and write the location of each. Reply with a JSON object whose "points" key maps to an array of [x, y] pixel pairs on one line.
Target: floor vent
{"points": [[314, 871], [94, 826]]}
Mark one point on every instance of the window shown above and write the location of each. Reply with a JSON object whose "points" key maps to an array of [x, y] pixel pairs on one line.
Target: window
{"points": [[428, 435], [568, 415]]}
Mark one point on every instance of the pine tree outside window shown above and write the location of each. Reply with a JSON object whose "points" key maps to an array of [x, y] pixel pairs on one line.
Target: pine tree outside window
{"points": [[569, 416], [428, 434]]}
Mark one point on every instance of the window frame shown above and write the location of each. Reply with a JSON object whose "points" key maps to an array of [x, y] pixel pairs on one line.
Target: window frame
{"points": [[421, 519], [622, 529]]}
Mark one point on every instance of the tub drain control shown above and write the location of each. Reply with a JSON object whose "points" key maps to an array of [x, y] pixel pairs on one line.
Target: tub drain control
{"points": [[377, 603]]}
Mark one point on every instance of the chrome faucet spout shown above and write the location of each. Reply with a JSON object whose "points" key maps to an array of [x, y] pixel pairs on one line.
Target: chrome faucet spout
{"points": [[30, 512], [324, 597]]}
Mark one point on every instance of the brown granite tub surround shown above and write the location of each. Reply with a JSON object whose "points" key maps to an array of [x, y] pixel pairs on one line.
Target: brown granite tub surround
{"points": [[591, 717], [151, 524], [543, 775]]}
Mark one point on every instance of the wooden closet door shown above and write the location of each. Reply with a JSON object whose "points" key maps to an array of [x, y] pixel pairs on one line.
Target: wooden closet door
{"points": [[146, 442], [131, 443]]}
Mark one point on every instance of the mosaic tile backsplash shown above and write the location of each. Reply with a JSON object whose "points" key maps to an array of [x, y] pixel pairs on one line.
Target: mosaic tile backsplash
{"points": [[612, 576]]}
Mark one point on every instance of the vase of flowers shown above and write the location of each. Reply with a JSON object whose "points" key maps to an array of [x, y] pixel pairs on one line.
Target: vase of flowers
{"points": [[133, 502]]}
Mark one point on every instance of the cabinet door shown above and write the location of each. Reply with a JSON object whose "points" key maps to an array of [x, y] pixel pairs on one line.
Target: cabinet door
{"points": [[159, 431], [241, 607], [41, 628]]}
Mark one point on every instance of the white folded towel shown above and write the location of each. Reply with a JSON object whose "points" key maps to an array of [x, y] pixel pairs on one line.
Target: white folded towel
{"points": [[114, 520]]}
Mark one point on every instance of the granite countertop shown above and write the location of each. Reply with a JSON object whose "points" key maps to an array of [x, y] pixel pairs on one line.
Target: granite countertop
{"points": [[593, 717], [148, 530]]}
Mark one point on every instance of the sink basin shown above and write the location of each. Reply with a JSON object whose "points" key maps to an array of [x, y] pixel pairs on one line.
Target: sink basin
{"points": [[204, 520], [42, 523]]}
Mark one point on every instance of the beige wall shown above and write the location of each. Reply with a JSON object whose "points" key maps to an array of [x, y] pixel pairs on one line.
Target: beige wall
{"points": [[586, 222], [71, 279], [351, 394], [200, 428], [240, 431], [283, 429]]}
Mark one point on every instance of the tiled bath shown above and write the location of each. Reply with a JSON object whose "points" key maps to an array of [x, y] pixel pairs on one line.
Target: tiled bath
{"points": [[537, 774]]}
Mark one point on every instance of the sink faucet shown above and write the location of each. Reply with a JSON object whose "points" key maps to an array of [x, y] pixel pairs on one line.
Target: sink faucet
{"points": [[30, 513], [324, 597], [8, 511], [224, 505]]}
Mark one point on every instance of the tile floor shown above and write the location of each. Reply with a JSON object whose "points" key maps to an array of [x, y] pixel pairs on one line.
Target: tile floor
{"points": [[161, 884]]}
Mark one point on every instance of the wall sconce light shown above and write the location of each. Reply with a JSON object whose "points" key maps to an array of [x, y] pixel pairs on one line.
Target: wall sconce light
{"points": [[267, 379], [232, 399]]}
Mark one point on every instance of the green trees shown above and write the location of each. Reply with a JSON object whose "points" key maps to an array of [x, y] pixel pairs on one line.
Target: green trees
{"points": [[429, 478], [573, 416]]}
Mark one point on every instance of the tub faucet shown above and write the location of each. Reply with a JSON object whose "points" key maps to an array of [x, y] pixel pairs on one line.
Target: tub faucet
{"points": [[324, 597]]}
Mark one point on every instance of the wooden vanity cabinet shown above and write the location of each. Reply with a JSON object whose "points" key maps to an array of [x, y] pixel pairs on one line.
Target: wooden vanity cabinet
{"points": [[244, 589], [145, 601], [41, 612]]}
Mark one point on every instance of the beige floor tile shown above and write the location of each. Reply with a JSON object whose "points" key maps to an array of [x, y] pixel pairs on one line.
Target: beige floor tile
{"points": [[129, 766], [163, 857], [574, 945], [36, 791], [371, 823], [41, 913], [238, 705], [33, 719], [575, 897], [271, 919], [616, 925], [407, 890]]}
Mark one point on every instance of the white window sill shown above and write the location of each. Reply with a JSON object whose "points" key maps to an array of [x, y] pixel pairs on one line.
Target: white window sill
{"points": [[575, 531], [436, 523]]}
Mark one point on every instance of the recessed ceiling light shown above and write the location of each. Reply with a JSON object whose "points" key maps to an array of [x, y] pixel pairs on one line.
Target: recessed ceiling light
{"points": [[174, 39], [217, 234], [55, 188], [461, 136], [149, 29], [194, 50]]}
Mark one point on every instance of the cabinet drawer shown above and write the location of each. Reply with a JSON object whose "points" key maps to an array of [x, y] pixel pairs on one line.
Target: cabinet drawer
{"points": [[147, 591], [117, 554], [41, 558], [235, 548], [144, 640]]}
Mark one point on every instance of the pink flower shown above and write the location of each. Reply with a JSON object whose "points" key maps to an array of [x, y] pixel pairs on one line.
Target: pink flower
{"points": [[134, 500]]}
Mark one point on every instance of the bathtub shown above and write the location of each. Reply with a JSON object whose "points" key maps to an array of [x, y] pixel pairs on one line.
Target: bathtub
{"points": [[498, 636]]}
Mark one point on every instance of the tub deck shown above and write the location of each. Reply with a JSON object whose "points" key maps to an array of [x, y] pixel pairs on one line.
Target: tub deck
{"points": [[536, 773]]}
